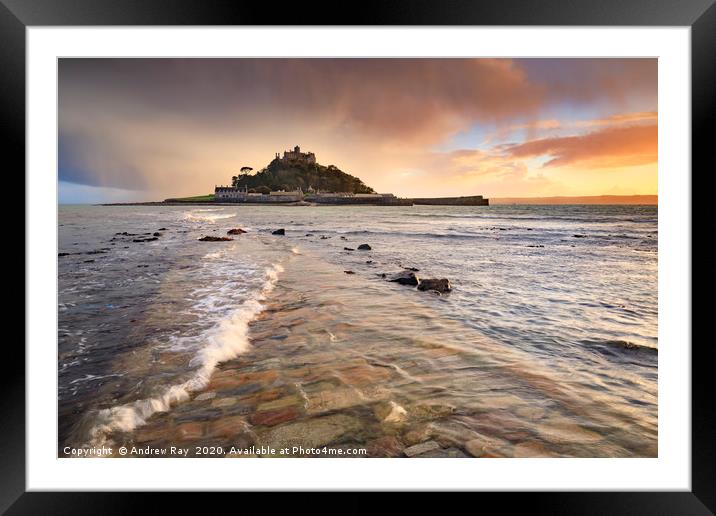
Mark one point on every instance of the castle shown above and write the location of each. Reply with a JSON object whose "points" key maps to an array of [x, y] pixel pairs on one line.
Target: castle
{"points": [[296, 156]]}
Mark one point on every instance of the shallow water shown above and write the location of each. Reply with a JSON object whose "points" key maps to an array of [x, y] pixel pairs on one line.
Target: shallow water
{"points": [[547, 346]]}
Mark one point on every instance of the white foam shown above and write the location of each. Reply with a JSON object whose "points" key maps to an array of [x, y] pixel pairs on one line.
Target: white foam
{"points": [[207, 215], [225, 341]]}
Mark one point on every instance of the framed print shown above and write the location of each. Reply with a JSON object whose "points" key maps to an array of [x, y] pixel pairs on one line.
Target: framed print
{"points": [[442, 233]]}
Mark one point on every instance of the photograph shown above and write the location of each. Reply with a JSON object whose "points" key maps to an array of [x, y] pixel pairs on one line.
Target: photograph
{"points": [[383, 257]]}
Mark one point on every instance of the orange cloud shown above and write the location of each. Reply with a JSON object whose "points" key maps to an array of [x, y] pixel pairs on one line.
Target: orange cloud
{"points": [[625, 118], [610, 147]]}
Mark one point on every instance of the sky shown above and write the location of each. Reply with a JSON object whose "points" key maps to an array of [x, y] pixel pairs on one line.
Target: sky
{"points": [[149, 129]]}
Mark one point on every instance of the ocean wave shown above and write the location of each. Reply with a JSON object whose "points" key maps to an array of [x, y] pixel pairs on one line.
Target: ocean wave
{"points": [[493, 217], [207, 215], [408, 234], [225, 341]]}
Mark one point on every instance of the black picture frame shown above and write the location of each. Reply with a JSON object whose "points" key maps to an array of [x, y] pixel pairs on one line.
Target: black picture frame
{"points": [[700, 15]]}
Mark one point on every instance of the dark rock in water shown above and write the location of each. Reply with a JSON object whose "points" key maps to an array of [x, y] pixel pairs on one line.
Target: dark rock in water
{"points": [[579, 236], [364, 247], [162, 229], [438, 285], [535, 246], [348, 249], [369, 262], [151, 239], [383, 275], [349, 272], [88, 261], [406, 278], [235, 231], [156, 234], [215, 239], [63, 254], [99, 251], [279, 232], [308, 234], [324, 237], [414, 269]]}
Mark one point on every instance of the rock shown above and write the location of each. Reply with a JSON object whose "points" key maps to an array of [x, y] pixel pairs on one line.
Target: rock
{"points": [[364, 247], [275, 417], [324, 237], [228, 426], [224, 402], [279, 232], [235, 231], [406, 278], [189, 431], [449, 453], [333, 399], [414, 269], [162, 229], [421, 448], [579, 236], [349, 272], [530, 412], [369, 262], [145, 239], [438, 285], [231, 380], [147, 433], [390, 412], [417, 434], [156, 234], [531, 449], [63, 254], [205, 396], [88, 261], [280, 403], [387, 446], [429, 411], [215, 239], [310, 433], [348, 249], [483, 445]]}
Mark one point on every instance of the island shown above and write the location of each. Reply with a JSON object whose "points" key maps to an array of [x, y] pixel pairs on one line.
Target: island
{"points": [[296, 178]]}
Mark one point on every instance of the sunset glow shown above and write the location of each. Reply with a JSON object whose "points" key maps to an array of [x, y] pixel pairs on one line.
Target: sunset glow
{"points": [[148, 129]]}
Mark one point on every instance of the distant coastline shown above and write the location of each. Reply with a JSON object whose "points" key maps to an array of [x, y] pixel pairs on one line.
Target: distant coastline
{"points": [[583, 199], [647, 200]]}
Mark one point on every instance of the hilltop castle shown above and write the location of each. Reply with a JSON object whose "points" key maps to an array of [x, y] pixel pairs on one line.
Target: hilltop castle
{"points": [[296, 156]]}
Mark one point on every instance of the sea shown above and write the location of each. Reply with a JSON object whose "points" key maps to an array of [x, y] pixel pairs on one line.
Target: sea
{"points": [[547, 345]]}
